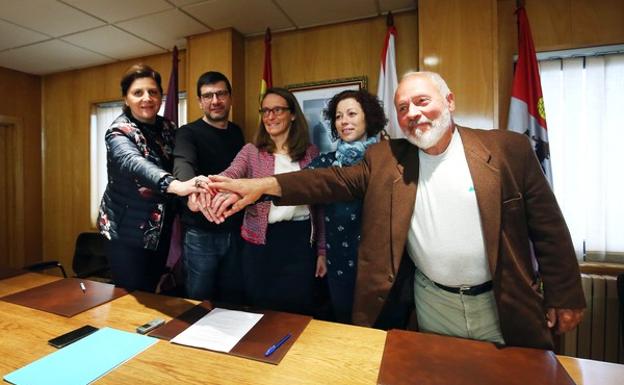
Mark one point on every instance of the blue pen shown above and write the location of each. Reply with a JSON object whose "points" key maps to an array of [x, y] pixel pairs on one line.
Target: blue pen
{"points": [[276, 346]]}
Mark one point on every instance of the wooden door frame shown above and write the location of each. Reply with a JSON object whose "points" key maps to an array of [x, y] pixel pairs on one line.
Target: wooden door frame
{"points": [[19, 259]]}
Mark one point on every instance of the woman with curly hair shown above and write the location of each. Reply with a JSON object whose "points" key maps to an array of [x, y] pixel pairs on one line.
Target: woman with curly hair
{"points": [[357, 119]]}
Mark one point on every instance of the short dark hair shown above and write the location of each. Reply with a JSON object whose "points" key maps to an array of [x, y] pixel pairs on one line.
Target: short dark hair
{"points": [[374, 115], [298, 137], [138, 71], [212, 77]]}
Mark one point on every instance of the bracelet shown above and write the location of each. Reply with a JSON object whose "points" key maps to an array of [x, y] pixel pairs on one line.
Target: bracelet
{"points": [[164, 182]]}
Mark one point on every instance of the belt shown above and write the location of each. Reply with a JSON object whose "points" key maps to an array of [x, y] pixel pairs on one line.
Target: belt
{"points": [[467, 290]]}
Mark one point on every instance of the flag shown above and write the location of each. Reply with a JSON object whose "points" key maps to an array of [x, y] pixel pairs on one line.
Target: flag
{"points": [[527, 114], [173, 275], [171, 104], [388, 80], [267, 76]]}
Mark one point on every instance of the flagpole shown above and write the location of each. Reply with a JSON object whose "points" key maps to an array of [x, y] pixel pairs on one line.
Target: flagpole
{"points": [[527, 114], [267, 73], [388, 79], [171, 104], [174, 256]]}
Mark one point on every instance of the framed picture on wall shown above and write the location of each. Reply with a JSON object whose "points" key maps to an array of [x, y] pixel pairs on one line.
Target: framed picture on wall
{"points": [[313, 98]]}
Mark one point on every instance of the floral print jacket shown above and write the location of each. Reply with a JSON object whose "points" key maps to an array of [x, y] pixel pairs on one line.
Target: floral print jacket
{"points": [[139, 156]]}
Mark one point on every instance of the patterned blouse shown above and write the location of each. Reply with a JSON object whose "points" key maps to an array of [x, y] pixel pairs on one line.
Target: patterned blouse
{"points": [[342, 221]]}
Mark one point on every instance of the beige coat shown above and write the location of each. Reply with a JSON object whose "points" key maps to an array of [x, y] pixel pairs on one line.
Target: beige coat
{"points": [[517, 208]]}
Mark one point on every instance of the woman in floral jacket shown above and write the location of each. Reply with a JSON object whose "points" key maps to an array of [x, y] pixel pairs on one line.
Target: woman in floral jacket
{"points": [[135, 213]]}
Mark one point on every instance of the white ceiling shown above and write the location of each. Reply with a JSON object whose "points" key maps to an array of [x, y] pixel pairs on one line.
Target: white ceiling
{"points": [[46, 36]]}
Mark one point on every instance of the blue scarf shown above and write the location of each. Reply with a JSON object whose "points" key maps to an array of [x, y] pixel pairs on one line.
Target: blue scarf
{"points": [[348, 154]]}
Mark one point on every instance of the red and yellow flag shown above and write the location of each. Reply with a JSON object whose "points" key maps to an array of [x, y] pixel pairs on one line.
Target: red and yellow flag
{"points": [[527, 114]]}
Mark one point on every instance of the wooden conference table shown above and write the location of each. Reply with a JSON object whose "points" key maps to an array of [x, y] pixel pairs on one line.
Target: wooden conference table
{"points": [[325, 353]]}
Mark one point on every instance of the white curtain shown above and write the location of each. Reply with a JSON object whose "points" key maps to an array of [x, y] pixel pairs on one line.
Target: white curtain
{"points": [[583, 98], [101, 118]]}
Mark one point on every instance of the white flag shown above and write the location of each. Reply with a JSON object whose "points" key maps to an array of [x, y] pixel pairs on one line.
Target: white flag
{"points": [[388, 82]]}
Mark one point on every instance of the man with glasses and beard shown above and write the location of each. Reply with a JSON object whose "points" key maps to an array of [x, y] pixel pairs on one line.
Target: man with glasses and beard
{"points": [[203, 147], [464, 217]]}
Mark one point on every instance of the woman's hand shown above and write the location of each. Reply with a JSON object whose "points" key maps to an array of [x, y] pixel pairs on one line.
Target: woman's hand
{"points": [[184, 188], [321, 266], [193, 202], [222, 203]]}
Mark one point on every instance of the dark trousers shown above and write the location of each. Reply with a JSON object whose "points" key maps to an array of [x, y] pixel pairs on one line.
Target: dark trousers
{"points": [[212, 264], [280, 274], [136, 268], [341, 292]]}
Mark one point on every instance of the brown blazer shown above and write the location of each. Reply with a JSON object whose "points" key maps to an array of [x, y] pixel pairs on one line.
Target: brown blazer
{"points": [[517, 208]]}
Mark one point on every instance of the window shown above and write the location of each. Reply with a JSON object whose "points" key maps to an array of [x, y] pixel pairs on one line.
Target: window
{"points": [[584, 97], [102, 115]]}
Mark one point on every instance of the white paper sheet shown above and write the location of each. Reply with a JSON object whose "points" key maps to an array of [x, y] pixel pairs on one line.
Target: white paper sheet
{"points": [[219, 330]]}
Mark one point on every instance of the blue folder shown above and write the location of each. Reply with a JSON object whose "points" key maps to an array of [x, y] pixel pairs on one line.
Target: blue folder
{"points": [[84, 361]]}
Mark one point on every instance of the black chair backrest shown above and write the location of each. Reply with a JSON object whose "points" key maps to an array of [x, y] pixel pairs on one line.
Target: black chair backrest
{"points": [[45, 265], [90, 256], [620, 287]]}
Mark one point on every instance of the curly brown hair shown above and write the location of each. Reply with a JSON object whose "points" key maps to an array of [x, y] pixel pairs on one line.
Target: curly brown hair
{"points": [[298, 138], [373, 111]]}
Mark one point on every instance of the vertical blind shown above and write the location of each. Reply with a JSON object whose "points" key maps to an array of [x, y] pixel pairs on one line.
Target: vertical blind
{"points": [[584, 98]]}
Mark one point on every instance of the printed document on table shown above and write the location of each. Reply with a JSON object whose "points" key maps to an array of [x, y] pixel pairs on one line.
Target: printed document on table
{"points": [[219, 330]]}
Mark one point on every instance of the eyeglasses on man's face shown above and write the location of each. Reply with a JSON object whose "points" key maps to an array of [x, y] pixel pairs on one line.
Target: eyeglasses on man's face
{"points": [[221, 94], [275, 110]]}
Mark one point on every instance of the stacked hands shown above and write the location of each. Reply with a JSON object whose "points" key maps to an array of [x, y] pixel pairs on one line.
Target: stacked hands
{"points": [[221, 197]]}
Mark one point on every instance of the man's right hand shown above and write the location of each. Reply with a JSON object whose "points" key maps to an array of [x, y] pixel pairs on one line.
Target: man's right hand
{"points": [[245, 192]]}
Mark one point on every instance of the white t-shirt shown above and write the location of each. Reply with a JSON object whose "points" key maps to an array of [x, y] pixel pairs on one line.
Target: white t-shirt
{"points": [[445, 239], [284, 164]]}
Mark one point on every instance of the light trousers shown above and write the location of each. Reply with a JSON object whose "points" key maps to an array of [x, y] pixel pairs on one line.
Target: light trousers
{"points": [[458, 315]]}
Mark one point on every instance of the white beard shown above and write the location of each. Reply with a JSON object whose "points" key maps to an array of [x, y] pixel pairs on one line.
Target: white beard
{"points": [[427, 139]]}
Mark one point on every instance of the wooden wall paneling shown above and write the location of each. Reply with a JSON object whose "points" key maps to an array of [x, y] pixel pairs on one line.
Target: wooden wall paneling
{"points": [[5, 195], [20, 98], [207, 52], [238, 77], [550, 23], [507, 47], [462, 37], [407, 45], [254, 65], [596, 22], [566, 24], [59, 148], [12, 239], [327, 52], [102, 82]]}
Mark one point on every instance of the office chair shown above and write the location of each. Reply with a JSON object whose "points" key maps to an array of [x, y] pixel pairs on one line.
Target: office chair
{"points": [[45, 265], [90, 259]]}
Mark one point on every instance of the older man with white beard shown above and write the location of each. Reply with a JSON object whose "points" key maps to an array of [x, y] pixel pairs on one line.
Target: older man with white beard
{"points": [[456, 214]]}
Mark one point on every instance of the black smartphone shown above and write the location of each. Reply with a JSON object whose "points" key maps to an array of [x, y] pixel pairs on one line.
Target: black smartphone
{"points": [[73, 336]]}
